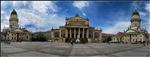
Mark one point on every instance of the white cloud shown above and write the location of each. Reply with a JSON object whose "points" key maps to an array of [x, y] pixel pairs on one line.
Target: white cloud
{"points": [[135, 5], [3, 3], [2, 12], [41, 20], [4, 20], [4, 26], [143, 13], [147, 7], [17, 4], [42, 23], [83, 14], [149, 26], [80, 4], [28, 16], [117, 27], [43, 6]]}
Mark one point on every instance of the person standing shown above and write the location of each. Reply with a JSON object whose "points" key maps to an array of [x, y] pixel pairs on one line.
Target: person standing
{"points": [[71, 42]]}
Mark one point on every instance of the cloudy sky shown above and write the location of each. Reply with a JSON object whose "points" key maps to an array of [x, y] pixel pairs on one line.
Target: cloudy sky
{"points": [[111, 17]]}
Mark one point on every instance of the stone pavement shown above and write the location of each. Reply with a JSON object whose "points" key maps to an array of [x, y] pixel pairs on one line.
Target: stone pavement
{"points": [[48, 49]]}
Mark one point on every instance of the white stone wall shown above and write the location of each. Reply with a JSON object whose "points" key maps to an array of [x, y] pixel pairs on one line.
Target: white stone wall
{"points": [[134, 38]]}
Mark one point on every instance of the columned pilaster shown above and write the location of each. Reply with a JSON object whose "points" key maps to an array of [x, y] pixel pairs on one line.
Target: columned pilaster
{"points": [[52, 34], [93, 33], [74, 32], [70, 32], [100, 36], [79, 32], [66, 33], [60, 33], [83, 33], [87, 33]]}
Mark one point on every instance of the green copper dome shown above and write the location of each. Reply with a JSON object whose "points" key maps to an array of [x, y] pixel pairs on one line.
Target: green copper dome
{"points": [[135, 13], [13, 16]]}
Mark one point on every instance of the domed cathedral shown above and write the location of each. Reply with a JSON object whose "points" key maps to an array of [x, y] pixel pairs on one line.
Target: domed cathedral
{"points": [[135, 21], [135, 34], [13, 20], [76, 29], [15, 33]]}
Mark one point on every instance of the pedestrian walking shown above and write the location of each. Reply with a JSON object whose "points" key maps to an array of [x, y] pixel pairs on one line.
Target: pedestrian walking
{"points": [[71, 42], [144, 43]]}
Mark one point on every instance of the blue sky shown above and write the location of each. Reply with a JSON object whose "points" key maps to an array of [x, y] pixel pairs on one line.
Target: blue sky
{"points": [[111, 17]]}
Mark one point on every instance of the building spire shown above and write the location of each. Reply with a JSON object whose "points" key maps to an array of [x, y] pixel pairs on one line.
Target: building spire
{"points": [[13, 15], [14, 12], [52, 28]]}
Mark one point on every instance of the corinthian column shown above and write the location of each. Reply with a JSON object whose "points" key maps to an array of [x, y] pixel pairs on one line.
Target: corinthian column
{"points": [[66, 33], [60, 33], [74, 33], [87, 33], [70, 32], [79, 32], [93, 33], [100, 36], [83, 33], [52, 34]]}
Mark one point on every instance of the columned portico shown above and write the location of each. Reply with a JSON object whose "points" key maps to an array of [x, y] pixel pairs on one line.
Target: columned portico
{"points": [[76, 29], [76, 32]]}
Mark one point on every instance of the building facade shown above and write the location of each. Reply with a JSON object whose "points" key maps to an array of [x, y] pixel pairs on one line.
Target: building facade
{"points": [[135, 34], [118, 37], [76, 29], [14, 33], [106, 37]]}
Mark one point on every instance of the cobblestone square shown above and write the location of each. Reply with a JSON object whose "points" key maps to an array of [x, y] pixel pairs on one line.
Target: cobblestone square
{"points": [[48, 49]]}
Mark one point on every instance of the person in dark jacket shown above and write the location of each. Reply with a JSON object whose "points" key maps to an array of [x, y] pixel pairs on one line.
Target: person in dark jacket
{"points": [[71, 42]]}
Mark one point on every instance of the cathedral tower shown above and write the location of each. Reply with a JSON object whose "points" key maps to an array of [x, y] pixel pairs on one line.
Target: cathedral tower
{"points": [[13, 20], [135, 21]]}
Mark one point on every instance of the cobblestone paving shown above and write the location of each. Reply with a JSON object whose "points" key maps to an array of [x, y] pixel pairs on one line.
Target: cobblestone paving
{"points": [[47, 49]]}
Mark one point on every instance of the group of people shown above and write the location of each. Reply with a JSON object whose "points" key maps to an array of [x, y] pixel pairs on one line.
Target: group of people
{"points": [[145, 43], [74, 41]]}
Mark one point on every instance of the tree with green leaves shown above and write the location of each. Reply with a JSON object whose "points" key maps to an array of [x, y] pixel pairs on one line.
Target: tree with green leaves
{"points": [[108, 39], [40, 37]]}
